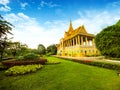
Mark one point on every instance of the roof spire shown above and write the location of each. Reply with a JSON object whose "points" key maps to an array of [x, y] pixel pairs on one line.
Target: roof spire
{"points": [[70, 27]]}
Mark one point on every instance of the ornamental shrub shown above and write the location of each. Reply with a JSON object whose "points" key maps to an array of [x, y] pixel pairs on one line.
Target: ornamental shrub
{"points": [[20, 70], [20, 58], [31, 56]]}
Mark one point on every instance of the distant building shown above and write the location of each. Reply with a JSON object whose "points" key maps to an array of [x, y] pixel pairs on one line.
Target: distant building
{"points": [[77, 43]]}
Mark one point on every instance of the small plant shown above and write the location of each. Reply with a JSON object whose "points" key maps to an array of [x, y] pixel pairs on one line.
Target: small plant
{"points": [[20, 70]]}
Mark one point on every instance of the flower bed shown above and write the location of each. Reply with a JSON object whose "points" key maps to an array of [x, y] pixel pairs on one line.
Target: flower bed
{"points": [[103, 64], [21, 70], [17, 63]]}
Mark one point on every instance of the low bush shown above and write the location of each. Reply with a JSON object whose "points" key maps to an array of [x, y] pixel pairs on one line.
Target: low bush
{"points": [[19, 58], [21, 70], [29, 56], [17, 63]]}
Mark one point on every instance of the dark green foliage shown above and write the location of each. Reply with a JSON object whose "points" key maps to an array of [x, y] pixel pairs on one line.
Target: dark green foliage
{"points": [[52, 50], [31, 56], [118, 23], [41, 49], [108, 41], [16, 49], [20, 58], [5, 29], [28, 56]]}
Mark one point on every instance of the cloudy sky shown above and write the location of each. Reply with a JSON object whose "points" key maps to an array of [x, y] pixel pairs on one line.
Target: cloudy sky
{"points": [[45, 21]]}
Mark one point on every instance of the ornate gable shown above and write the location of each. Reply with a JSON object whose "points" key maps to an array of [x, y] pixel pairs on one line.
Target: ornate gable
{"points": [[71, 32], [82, 29]]}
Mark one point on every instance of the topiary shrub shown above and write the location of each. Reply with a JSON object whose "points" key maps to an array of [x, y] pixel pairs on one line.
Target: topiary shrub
{"points": [[19, 58], [31, 56]]}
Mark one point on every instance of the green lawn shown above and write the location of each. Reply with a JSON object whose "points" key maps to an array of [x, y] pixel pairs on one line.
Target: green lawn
{"points": [[67, 75]]}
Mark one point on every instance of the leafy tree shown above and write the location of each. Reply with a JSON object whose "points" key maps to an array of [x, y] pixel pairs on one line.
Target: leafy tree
{"points": [[108, 41], [52, 49], [5, 29], [16, 48], [41, 49]]}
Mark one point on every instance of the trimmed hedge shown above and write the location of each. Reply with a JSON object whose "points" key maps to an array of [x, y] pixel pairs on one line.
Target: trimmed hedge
{"points": [[103, 64], [28, 56], [18, 63], [107, 65], [21, 70], [31, 56]]}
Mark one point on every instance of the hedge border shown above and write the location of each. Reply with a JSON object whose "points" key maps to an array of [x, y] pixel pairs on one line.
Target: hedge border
{"points": [[98, 63], [18, 63]]}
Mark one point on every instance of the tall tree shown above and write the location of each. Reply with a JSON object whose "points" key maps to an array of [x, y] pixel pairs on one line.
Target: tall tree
{"points": [[52, 49], [5, 29], [108, 41], [41, 49]]}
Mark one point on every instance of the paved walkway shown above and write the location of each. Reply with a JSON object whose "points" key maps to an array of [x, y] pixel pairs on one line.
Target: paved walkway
{"points": [[100, 58]]}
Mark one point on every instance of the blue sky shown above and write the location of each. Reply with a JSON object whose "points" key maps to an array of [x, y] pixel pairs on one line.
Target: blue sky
{"points": [[45, 21]]}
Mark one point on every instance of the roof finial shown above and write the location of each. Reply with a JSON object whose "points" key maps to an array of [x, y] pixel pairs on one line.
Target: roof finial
{"points": [[70, 27]]}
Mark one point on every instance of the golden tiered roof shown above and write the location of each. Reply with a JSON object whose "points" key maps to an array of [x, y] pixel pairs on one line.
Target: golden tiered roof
{"points": [[72, 33]]}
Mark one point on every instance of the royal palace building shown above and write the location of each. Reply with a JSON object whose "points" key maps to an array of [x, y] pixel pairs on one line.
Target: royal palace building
{"points": [[77, 43]]}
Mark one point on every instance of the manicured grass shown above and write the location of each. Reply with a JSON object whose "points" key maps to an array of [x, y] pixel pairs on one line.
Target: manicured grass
{"points": [[67, 75]]}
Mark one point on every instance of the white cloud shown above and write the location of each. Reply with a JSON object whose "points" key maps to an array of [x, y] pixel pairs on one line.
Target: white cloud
{"points": [[5, 7], [23, 5], [95, 21], [48, 4], [28, 30], [4, 2]]}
